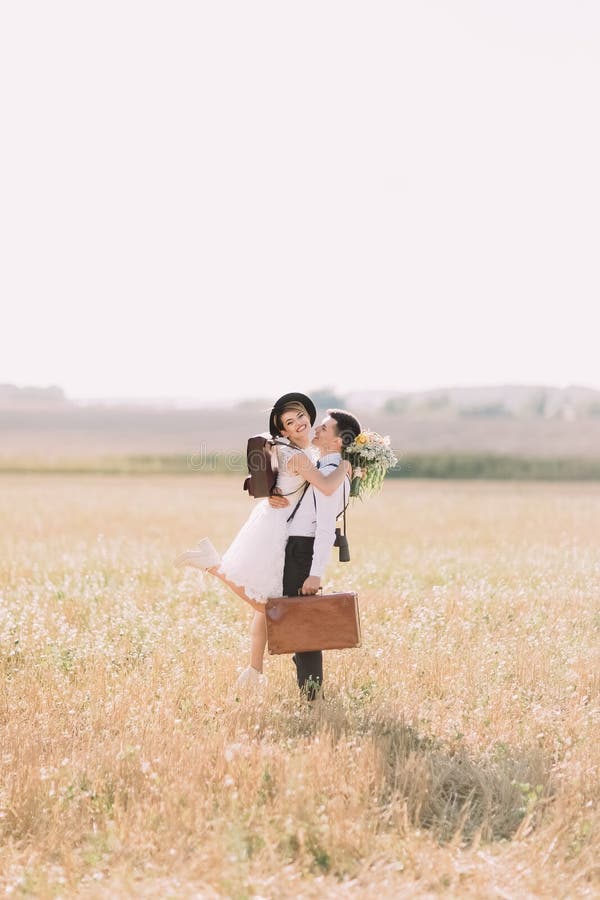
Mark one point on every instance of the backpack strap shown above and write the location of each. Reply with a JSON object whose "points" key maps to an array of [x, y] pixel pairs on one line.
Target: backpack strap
{"points": [[277, 442], [295, 510]]}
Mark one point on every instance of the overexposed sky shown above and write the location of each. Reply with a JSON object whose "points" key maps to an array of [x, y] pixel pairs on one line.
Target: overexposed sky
{"points": [[231, 199]]}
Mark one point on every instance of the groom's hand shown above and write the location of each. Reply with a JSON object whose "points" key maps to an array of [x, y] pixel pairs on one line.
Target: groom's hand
{"points": [[278, 502], [311, 585]]}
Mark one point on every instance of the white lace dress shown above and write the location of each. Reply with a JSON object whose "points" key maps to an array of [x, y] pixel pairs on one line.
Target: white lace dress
{"points": [[255, 558]]}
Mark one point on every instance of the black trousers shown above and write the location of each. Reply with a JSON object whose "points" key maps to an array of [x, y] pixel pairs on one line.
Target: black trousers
{"points": [[298, 560]]}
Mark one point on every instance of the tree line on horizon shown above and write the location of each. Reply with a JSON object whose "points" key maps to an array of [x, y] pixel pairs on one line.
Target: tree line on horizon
{"points": [[495, 402]]}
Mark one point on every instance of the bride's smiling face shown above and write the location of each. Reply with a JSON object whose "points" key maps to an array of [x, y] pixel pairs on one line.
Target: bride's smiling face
{"points": [[295, 426]]}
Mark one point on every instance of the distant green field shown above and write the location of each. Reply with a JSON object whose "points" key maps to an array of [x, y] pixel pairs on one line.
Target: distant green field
{"points": [[442, 466], [473, 465]]}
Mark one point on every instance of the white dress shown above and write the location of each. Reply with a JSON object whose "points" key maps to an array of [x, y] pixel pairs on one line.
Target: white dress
{"points": [[255, 558]]}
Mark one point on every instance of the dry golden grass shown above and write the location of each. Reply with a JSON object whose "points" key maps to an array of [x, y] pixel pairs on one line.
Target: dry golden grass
{"points": [[456, 753]]}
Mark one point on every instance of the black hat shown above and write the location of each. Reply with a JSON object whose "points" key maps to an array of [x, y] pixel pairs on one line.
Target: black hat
{"points": [[283, 402]]}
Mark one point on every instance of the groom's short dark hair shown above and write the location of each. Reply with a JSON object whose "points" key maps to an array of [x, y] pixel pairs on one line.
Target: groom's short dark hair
{"points": [[348, 426]]}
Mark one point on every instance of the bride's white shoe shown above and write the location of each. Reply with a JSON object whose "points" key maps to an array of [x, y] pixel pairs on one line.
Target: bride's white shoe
{"points": [[203, 557], [250, 678]]}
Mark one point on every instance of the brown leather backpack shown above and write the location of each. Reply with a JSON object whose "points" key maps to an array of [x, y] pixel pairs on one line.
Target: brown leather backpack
{"points": [[261, 458]]}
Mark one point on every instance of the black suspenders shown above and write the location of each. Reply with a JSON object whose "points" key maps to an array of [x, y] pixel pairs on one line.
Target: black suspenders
{"points": [[306, 486]]}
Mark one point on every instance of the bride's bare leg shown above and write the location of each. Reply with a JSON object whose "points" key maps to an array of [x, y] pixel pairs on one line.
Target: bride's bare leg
{"points": [[258, 637], [237, 590]]}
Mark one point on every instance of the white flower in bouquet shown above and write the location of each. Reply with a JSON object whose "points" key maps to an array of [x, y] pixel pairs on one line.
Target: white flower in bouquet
{"points": [[370, 456]]}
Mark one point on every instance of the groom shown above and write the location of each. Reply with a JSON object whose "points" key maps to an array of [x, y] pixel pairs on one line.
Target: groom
{"points": [[311, 531]]}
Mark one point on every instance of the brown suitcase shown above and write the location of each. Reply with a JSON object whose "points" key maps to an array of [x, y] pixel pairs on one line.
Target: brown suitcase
{"points": [[315, 622]]}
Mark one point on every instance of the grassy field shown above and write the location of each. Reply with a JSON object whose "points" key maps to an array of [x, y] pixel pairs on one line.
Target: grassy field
{"points": [[456, 753]]}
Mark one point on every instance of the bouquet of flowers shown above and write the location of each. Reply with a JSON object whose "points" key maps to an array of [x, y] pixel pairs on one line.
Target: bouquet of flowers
{"points": [[370, 456]]}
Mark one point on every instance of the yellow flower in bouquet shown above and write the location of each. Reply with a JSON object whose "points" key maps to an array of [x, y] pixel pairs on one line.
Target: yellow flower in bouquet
{"points": [[371, 456]]}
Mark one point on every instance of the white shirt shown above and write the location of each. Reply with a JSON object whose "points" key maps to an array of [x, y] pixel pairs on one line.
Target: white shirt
{"points": [[317, 514]]}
